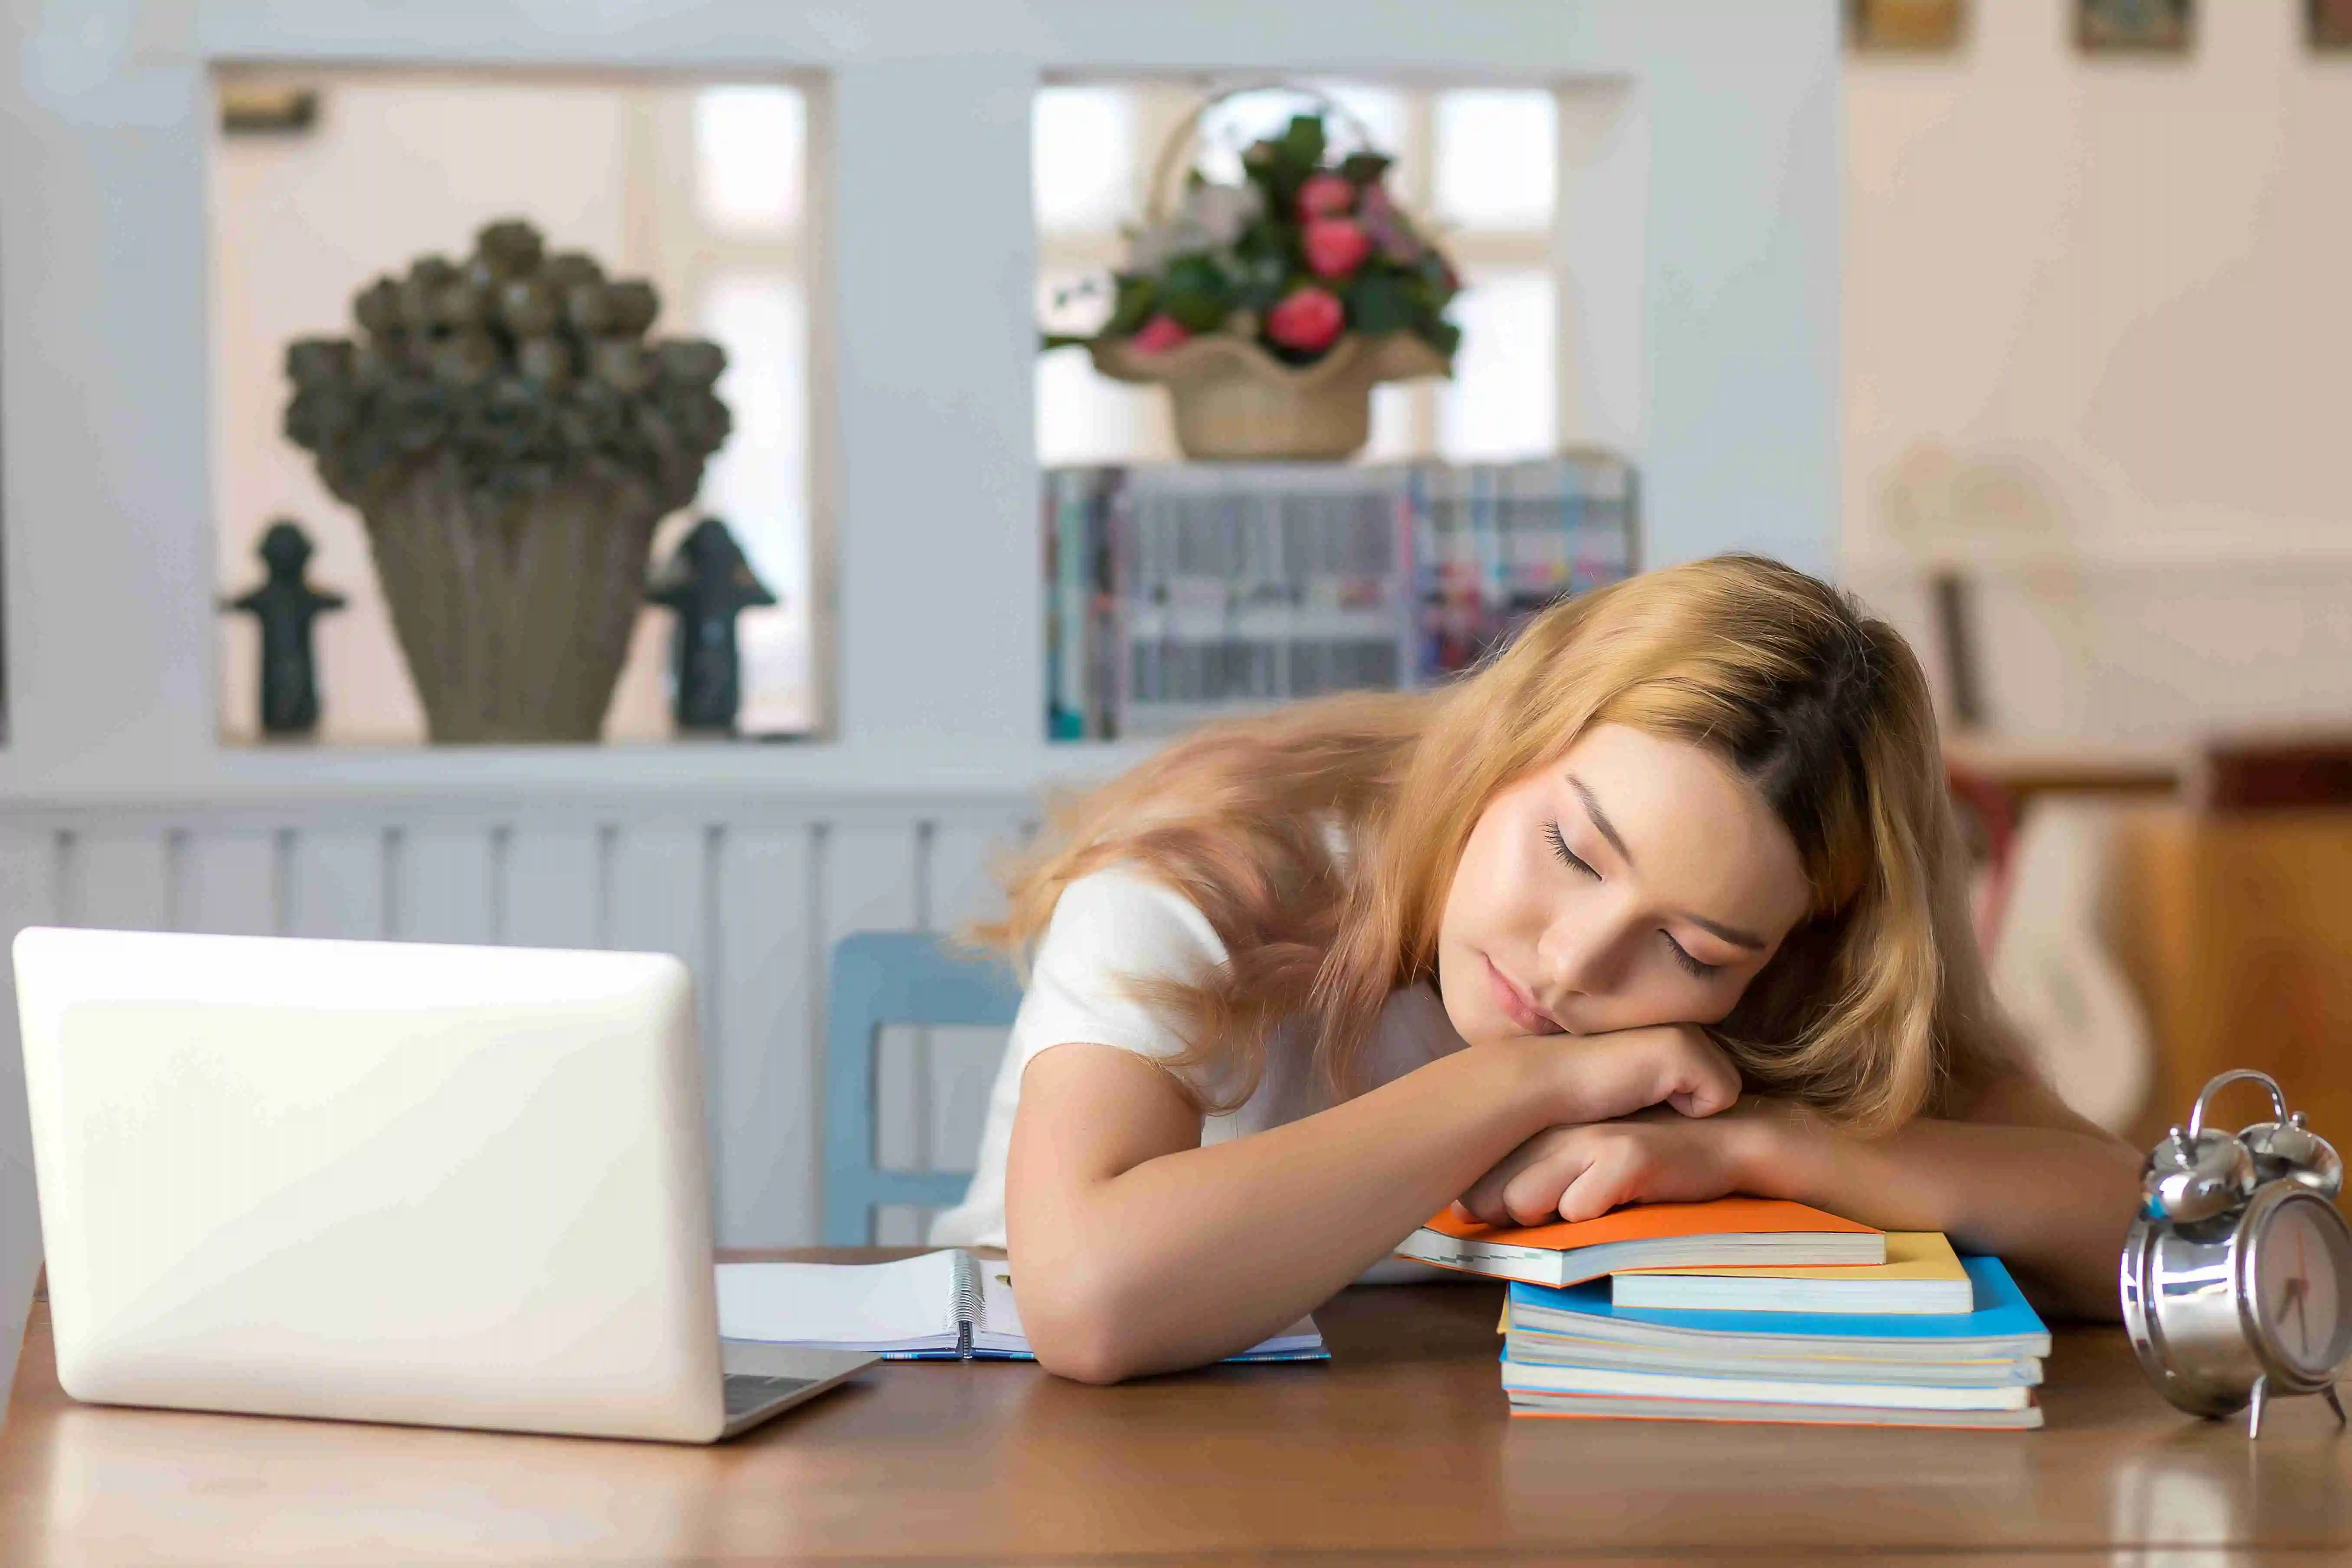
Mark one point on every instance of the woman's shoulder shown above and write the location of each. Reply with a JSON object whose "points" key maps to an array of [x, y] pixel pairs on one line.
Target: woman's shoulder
{"points": [[1123, 910]]}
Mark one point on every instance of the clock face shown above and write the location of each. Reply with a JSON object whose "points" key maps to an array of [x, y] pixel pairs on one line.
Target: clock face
{"points": [[2303, 1286]]}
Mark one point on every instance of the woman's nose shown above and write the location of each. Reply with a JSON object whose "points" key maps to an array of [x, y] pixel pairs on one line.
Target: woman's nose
{"points": [[1578, 957]]}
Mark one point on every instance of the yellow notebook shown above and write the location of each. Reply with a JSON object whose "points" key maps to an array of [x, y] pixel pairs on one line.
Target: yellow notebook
{"points": [[1921, 1274]]}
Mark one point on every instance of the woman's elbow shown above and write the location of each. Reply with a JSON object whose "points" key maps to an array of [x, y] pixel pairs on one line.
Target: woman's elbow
{"points": [[1077, 1331]]}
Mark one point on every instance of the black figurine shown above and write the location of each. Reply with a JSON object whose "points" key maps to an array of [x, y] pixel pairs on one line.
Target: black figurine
{"points": [[285, 605], [706, 584]]}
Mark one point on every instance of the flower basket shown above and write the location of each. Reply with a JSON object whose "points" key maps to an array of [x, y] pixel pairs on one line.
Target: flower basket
{"points": [[1270, 309], [1234, 401], [510, 441]]}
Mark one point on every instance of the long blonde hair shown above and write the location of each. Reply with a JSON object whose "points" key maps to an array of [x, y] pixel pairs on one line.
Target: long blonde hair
{"points": [[1875, 1008]]}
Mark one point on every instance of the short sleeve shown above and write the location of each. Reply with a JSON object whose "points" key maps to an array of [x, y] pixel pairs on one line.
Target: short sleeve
{"points": [[1108, 927]]}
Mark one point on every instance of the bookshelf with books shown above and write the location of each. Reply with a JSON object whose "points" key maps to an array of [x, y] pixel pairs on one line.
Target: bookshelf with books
{"points": [[1181, 593]]}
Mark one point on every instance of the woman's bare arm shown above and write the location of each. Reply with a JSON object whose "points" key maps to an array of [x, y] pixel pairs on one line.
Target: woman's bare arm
{"points": [[2017, 1175], [1138, 1249]]}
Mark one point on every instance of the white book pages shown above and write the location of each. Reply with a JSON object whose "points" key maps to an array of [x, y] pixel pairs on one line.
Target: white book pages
{"points": [[907, 1305]]}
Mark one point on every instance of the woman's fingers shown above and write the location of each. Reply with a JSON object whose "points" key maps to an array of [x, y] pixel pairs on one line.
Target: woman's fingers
{"points": [[1671, 1064], [1701, 1079], [1615, 1175], [1533, 1196], [1484, 1200]]}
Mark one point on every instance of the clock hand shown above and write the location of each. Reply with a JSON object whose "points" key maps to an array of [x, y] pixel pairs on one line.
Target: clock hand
{"points": [[2302, 1289], [2292, 1292]]}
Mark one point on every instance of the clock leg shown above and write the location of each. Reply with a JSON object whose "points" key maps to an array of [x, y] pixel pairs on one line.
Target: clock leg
{"points": [[2254, 1416], [2333, 1403]]}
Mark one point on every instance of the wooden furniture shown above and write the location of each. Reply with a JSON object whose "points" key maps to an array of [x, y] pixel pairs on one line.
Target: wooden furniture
{"points": [[1398, 1449], [2026, 767], [2236, 927], [891, 977]]}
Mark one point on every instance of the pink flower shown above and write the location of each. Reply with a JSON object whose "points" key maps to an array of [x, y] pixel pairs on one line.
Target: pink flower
{"points": [[1325, 195], [1390, 230], [1306, 319], [1335, 246], [1158, 335]]}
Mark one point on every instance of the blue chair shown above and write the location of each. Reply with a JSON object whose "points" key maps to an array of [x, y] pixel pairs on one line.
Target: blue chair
{"points": [[891, 977]]}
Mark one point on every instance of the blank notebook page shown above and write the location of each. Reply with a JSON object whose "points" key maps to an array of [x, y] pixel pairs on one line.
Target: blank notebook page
{"points": [[911, 1302]]}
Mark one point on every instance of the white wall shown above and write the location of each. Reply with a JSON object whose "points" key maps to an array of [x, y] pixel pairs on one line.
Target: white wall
{"points": [[2120, 283]]}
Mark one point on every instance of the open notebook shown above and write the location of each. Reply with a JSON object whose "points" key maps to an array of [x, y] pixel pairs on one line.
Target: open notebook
{"points": [[942, 1306]]}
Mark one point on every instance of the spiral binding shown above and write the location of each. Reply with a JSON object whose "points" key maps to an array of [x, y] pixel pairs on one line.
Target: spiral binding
{"points": [[968, 1302]]}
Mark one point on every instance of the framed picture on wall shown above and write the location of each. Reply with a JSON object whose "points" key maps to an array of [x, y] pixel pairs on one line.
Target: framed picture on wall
{"points": [[1905, 26], [2134, 27], [2329, 25]]}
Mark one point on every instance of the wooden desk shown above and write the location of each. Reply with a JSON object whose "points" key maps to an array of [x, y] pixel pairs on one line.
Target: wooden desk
{"points": [[1397, 1450]]}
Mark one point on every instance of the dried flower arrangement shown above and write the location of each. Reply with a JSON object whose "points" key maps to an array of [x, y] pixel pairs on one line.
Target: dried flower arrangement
{"points": [[510, 438]]}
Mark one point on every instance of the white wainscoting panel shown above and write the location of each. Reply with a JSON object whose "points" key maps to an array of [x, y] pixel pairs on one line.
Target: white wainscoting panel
{"points": [[767, 1069], [119, 878], [229, 883], [752, 899], [335, 884], [445, 885], [551, 887]]}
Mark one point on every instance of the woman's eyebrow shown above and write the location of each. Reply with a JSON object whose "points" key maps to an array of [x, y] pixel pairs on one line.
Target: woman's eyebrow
{"points": [[1599, 818], [1731, 934]]}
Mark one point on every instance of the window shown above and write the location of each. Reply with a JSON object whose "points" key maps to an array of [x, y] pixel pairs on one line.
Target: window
{"points": [[1481, 162], [696, 187]]}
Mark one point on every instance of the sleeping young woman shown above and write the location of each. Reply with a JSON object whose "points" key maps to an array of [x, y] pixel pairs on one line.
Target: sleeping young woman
{"points": [[1663, 902]]}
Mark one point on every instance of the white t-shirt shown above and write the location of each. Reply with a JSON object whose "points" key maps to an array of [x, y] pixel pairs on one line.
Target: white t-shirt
{"points": [[1116, 923]]}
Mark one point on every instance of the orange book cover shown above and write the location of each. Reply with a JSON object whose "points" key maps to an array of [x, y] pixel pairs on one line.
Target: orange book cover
{"points": [[1650, 1222]]}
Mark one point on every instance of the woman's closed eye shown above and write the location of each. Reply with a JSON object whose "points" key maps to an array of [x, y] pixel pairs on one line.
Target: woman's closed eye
{"points": [[1559, 846], [1698, 970]]}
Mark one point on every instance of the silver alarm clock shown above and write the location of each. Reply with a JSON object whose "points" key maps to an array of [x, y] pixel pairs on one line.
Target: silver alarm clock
{"points": [[2237, 1275]]}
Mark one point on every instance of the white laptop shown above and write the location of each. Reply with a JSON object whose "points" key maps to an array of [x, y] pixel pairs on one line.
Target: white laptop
{"points": [[452, 1186]]}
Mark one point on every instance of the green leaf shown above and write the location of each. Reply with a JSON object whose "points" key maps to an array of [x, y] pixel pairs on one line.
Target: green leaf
{"points": [[1196, 292], [1195, 275], [1366, 168], [1302, 143], [1435, 273], [1445, 337], [1196, 312], [1138, 298], [1377, 304]]}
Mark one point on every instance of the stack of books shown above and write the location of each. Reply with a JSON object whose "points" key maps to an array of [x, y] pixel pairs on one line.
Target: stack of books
{"points": [[1187, 592], [1751, 1310]]}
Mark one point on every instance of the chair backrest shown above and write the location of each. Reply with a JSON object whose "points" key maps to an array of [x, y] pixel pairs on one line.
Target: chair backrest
{"points": [[891, 977]]}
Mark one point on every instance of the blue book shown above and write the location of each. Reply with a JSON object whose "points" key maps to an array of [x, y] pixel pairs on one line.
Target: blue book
{"points": [[2003, 1326]]}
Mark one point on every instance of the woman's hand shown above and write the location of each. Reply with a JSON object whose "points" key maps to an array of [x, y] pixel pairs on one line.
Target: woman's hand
{"points": [[1599, 1077], [1651, 1156]]}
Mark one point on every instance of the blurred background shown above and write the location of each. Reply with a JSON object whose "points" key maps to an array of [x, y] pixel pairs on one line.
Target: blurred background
{"points": [[2022, 319]]}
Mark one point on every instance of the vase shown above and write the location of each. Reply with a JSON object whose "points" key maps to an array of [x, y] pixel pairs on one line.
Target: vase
{"points": [[1234, 401], [514, 620]]}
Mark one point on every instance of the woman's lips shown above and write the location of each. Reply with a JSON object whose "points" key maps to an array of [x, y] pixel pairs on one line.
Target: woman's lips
{"points": [[1516, 1005]]}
